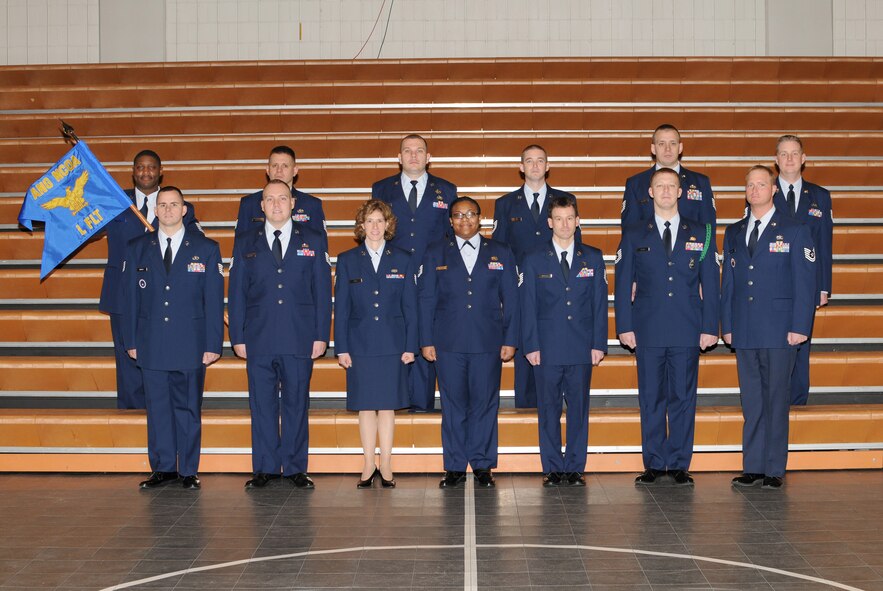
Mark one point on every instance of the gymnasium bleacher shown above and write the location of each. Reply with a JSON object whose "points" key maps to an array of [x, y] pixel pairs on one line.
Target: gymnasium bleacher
{"points": [[214, 124]]}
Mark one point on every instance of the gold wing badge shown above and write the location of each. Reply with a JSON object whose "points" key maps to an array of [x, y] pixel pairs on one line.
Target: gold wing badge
{"points": [[72, 200]]}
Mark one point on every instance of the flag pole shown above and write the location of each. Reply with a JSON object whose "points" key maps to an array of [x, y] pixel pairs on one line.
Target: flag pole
{"points": [[70, 136]]}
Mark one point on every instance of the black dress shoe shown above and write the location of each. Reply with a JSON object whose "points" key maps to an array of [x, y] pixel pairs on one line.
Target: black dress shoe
{"points": [[484, 478], [453, 479], [157, 479], [553, 479], [772, 482], [748, 479], [649, 476], [576, 479], [301, 480], [681, 477], [368, 482], [261, 479], [192, 482]]}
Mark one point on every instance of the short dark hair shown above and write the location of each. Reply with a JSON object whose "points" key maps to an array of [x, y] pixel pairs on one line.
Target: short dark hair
{"points": [[463, 199], [561, 201], [149, 153], [663, 170], [534, 147], [283, 150], [666, 127], [414, 136], [169, 189]]}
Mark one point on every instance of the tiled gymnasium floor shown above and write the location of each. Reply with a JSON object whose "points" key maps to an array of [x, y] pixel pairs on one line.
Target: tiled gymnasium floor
{"points": [[96, 532]]}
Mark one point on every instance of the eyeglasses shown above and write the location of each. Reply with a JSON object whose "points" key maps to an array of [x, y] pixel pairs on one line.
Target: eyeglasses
{"points": [[459, 215]]}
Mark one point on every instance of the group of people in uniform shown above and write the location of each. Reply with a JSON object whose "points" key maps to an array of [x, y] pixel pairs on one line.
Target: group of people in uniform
{"points": [[424, 297]]}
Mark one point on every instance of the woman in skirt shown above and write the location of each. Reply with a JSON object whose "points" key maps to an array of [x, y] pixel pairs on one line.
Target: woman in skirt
{"points": [[375, 333]]}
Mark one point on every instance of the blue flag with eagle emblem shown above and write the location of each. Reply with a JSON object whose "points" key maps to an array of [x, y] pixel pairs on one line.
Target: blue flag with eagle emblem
{"points": [[75, 198]]}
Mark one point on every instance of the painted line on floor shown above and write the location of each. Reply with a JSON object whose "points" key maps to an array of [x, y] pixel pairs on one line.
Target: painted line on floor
{"points": [[768, 569], [470, 555]]}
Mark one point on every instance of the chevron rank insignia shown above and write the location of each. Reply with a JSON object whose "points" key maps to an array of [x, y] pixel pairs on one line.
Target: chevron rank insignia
{"points": [[810, 254]]}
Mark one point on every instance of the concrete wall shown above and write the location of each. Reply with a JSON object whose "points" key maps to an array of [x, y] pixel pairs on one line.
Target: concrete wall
{"points": [[132, 30], [72, 31]]}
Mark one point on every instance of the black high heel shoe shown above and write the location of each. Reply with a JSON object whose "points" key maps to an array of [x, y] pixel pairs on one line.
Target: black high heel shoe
{"points": [[369, 482], [391, 483]]}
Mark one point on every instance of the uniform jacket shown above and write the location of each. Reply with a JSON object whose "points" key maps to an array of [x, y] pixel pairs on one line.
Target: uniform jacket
{"points": [[696, 202], [280, 310], [172, 319], [564, 320], [465, 313], [766, 296], [307, 210], [667, 310], [120, 231], [514, 224], [814, 210], [415, 231], [375, 313]]}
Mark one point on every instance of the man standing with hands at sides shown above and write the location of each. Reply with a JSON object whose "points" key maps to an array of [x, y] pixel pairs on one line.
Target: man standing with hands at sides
{"points": [[697, 202], [667, 309], [564, 332], [147, 176], [280, 321], [767, 303], [307, 209], [420, 203], [468, 294], [521, 221], [809, 204], [174, 329]]}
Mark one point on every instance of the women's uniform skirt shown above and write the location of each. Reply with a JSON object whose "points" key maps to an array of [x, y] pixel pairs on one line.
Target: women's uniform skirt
{"points": [[377, 383]]}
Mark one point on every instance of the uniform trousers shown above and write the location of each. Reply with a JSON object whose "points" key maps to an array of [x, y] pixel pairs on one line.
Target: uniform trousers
{"points": [[279, 385], [800, 375], [667, 398], [130, 383], [525, 383], [174, 420], [421, 383], [557, 384], [765, 388], [470, 391]]}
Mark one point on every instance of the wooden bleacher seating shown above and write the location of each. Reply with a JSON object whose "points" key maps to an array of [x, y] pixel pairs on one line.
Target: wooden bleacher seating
{"points": [[214, 123]]}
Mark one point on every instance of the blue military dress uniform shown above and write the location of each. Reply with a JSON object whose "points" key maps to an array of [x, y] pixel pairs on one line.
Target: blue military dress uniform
{"points": [[696, 202], [414, 232], [667, 317], [172, 319], [515, 225], [307, 210], [564, 318], [763, 298], [120, 230], [375, 321], [468, 318], [813, 209], [277, 312]]}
